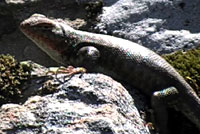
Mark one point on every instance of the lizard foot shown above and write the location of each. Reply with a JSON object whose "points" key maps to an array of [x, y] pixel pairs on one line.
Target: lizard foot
{"points": [[69, 72]]}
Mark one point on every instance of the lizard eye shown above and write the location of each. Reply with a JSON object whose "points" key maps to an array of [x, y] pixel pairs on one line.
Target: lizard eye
{"points": [[45, 26]]}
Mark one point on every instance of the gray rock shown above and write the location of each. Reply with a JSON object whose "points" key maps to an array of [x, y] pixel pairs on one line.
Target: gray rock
{"points": [[161, 25], [85, 104]]}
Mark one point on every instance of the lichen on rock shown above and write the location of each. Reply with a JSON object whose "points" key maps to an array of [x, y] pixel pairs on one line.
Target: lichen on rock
{"points": [[12, 75]]}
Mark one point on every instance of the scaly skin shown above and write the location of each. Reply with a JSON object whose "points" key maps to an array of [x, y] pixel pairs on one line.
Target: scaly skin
{"points": [[119, 58]]}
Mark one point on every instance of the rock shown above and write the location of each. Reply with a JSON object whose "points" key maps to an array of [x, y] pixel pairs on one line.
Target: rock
{"points": [[85, 104], [162, 25]]}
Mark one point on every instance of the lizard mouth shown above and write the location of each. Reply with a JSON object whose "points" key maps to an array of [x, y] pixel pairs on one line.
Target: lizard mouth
{"points": [[35, 24], [33, 33], [38, 28], [44, 33]]}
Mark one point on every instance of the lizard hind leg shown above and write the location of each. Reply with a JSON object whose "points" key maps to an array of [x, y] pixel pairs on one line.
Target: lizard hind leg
{"points": [[159, 102]]}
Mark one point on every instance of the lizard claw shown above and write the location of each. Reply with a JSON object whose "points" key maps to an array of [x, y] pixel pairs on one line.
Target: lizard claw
{"points": [[70, 70]]}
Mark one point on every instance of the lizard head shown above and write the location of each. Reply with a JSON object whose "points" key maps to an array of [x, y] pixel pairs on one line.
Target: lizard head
{"points": [[47, 34]]}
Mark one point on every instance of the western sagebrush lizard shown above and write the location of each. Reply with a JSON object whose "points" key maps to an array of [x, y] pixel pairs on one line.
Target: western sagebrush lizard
{"points": [[119, 58]]}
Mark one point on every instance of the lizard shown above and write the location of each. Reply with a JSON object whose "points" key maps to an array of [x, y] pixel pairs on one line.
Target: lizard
{"points": [[119, 58]]}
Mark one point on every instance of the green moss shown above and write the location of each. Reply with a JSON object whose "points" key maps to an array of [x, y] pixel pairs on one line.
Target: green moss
{"points": [[188, 65], [12, 76]]}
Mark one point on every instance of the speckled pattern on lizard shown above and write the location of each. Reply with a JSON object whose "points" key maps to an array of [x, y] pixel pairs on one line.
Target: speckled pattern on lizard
{"points": [[120, 59]]}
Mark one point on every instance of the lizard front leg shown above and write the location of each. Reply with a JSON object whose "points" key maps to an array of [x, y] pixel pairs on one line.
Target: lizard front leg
{"points": [[159, 101], [87, 57]]}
